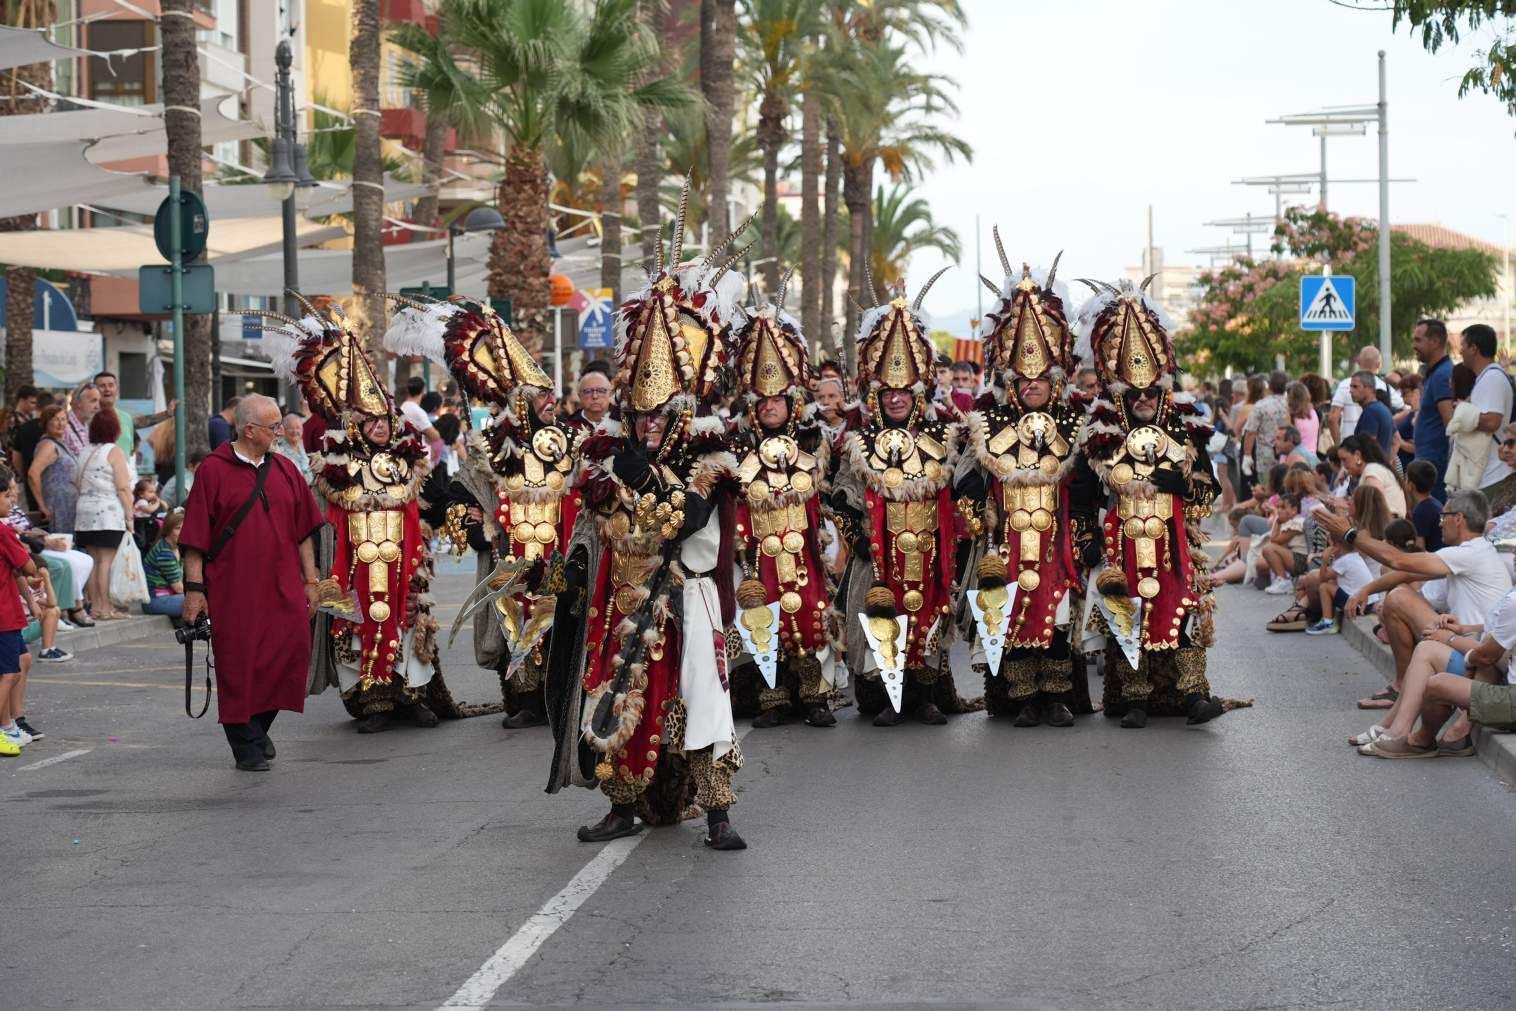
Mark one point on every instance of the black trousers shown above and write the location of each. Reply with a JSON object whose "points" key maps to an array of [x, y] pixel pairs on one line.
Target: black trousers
{"points": [[247, 738]]}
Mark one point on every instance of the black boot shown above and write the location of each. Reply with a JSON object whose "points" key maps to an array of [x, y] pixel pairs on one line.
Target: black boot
{"points": [[769, 718], [930, 715], [1028, 715], [1135, 719], [1201, 708], [888, 717], [255, 764], [374, 723], [719, 834], [422, 715], [820, 715], [268, 749], [523, 718], [1059, 715], [613, 826]]}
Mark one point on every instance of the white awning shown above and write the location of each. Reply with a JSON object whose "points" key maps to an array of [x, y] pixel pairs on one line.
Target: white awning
{"points": [[122, 250], [21, 46], [253, 200]]}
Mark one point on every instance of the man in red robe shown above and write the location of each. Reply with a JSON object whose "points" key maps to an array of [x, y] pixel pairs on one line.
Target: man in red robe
{"points": [[250, 583]]}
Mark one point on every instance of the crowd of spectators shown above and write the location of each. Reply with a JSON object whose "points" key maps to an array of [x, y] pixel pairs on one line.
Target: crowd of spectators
{"points": [[1393, 494]]}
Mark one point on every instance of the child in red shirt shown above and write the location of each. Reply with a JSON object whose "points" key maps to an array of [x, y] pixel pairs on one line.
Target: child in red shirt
{"points": [[16, 562]]}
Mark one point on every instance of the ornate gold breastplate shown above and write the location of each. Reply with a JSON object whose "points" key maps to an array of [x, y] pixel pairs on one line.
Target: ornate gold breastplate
{"points": [[547, 463], [1035, 444], [895, 456], [640, 524], [1144, 450], [777, 468], [383, 473]]}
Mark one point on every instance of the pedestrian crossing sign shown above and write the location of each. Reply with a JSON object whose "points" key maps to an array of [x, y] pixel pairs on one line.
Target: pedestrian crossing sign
{"points": [[1327, 302]]}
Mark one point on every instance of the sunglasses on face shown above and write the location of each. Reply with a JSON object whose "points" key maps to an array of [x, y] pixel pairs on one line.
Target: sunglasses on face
{"points": [[1508, 443]]}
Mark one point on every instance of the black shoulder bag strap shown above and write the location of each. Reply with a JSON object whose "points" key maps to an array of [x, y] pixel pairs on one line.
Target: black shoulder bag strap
{"points": [[247, 507], [189, 679]]}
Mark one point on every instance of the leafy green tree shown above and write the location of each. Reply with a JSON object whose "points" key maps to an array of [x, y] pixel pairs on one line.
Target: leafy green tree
{"points": [[1444, 22], [903, 224]]}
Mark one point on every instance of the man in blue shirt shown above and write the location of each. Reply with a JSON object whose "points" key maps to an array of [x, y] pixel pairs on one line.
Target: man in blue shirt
{"points": [[1430, 342], [1374, 419]]}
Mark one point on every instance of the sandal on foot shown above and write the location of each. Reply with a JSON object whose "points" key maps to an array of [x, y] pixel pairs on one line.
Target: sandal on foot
{"points": [[1368, 737], [1292, 619], [1380, 700], [1461, 748]]}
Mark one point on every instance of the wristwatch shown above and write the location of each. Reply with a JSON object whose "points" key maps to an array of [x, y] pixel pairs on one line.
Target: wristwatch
{"points": [[192, 587]]}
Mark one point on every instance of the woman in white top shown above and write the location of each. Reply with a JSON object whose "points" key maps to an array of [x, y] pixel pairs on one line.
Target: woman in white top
{"points": [[1365, 461], [105, 501]]}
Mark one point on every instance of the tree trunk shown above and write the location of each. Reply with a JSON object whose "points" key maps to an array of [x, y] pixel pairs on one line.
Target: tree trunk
{"points": [[519, 264], [368, 309], [21, 282], [20, 302], [610, 224], [770, 139], [433, 152], [829, 244], [718, 48], [181, 90], [810, 225], [855, 193]]}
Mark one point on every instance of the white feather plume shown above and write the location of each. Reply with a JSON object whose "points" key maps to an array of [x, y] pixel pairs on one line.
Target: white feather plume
{"points": [[415, 331]]}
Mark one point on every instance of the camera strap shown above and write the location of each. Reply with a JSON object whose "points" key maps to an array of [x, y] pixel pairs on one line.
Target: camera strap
{"points": [[189, 679], [247, 507]]}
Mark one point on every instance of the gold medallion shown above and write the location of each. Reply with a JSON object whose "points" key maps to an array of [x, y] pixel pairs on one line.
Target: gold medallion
{"points": [[1133, 527], [1029, 580], [771, 545], [1049, 465], [378, 610], [351, 492], [1041, 519], [1020, 520], [620, 525], [389, 552], [793, 542], [515, 482], [897, 442], [933, 470], [912, 600], [894, 477], [545, 533], [1153, 527], [778, 451], [368, 551], [789, 602], [523, 531], [801, 482], [905, 543], [1121, 475], [550, 443], [1147, 443], [758, 491], [554, 480], [1147, 587]]}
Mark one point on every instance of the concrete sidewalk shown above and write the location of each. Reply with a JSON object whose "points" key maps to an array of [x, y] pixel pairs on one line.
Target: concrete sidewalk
{"points": [[1498, 751]]}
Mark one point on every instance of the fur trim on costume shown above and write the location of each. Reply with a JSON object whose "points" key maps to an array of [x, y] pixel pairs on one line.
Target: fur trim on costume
{"points": [[977, 439], [911, 489], [628, 711], [332, 476]]}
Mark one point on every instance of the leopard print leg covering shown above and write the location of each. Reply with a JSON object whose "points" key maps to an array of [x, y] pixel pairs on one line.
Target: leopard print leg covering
{"points": [[1136, 685], [376, 699], [1020, 674], [1055, 675], [997, 697], [808, 673], [619, 791], [1189, 671], [713, 779], [773, 698]]}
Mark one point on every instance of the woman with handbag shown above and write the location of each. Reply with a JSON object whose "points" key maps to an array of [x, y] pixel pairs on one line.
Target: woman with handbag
{"points": [[105, 501]]}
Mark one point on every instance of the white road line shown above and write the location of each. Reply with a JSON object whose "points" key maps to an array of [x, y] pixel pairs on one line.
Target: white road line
{"points": [[481, 987], [55, 759]]}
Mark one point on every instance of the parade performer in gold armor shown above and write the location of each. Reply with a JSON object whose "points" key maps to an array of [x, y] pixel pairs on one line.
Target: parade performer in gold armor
{"points": [[380, 645], [784, 617], [1146, 442], [1021, 451], [649, 589], [893, 499], [516, 494]]}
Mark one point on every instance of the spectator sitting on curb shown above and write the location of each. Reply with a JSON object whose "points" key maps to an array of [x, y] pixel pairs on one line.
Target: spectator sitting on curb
{"points": [[1466, 578], [1476, 652]]}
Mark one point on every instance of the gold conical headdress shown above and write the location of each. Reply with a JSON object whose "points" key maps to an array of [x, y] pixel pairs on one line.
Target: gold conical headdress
{"points": [[332, 367], [771, 356], [1128, 339], [486, 358], [896, 352], [1029, 335]]}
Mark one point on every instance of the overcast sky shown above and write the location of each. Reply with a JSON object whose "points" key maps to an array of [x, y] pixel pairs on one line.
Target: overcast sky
{"points": [[1082, 114]]}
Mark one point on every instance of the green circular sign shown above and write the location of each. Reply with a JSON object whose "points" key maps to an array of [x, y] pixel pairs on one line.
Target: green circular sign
{"points": [[194, 226]]}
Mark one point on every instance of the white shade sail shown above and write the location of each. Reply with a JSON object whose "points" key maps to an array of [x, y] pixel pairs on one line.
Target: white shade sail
{"points": [[22, 46], [122, 250]]}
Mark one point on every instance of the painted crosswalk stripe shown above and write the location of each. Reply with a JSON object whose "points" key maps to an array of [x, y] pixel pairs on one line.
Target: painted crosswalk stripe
{"points": [[55, 759]]}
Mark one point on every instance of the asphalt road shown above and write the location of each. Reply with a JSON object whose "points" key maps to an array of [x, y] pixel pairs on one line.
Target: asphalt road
{"points": [[1255, 862]]}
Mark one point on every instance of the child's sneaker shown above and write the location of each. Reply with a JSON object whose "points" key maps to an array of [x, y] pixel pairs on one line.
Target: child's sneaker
{"points": [[20, 738], [55, 655], [1281, 584], [1326, 626], [37, 735]]}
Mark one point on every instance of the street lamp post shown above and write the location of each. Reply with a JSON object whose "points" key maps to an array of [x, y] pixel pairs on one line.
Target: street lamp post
{"points": [[287, 173], [480, 219]]}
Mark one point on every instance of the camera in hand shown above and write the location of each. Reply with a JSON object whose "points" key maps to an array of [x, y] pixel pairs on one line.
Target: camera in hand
{"points": [[201, 629]]}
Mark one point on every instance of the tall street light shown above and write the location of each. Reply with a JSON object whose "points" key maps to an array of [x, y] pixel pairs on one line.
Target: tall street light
{"points": [[480, 219], [287, 173]]}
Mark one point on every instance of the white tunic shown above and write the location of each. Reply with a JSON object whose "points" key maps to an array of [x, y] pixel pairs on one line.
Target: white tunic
{"points": [[708, 705]]}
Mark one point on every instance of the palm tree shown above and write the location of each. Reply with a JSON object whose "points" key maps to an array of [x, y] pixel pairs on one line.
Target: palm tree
{"points": [[368, 315], [903, 224], [181, 123], [886, 112], [810, 222], [551, 70], [446, 93], [21, 282], [649, 14], [774, 40], [830, 212], [718, 51]]}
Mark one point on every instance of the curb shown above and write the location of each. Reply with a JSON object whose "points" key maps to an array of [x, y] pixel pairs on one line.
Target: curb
{"points": [[111, 633], [1496, 751]]}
